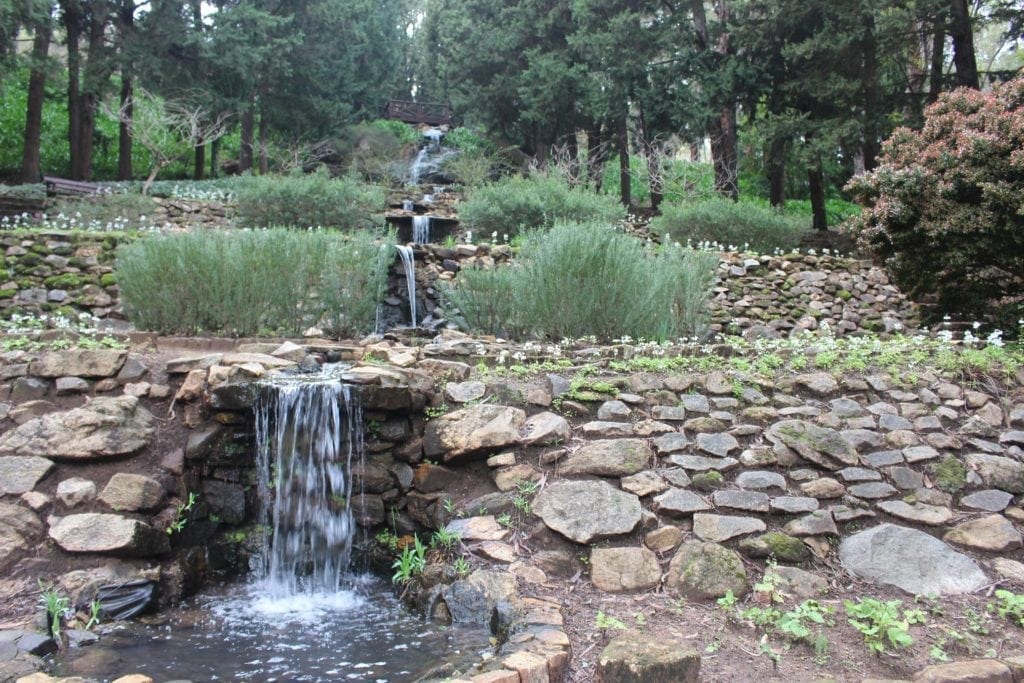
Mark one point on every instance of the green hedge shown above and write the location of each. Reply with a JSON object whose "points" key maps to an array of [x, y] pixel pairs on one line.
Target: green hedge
{"points": [[248, 282], [313, 200]]}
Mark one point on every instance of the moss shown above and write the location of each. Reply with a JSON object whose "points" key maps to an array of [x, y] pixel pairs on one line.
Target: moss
{"points": [[4, 274], [64, 281], [7, 293], [784, 547], [29, 259], [108, 280], [844, 294], [950, 475], [708, 481]]}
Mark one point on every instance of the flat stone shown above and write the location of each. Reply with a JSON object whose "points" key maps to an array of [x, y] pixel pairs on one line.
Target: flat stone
{"points": [[663, 539], [669, 413], [482, 528], [704, 425], [21, 474], [615, 570], [96, 363], [132, 492], [858, 474], [846, 408], [782, 547], [500, 460], [644, 483], [882, 458], [671, 443], [496, 551], [635, 658], [705, 571], [608, 458], [911, 560], [429, 477], [695, 403], [922, 513], [792, 505], [863, 439], [74, 491], [998, 472], [1012, 438], [511, 478], [795, 582], [679, 503], [872, 490], [647, 428], [817, 383], [569, 508], [472, 431], [545, 429], [473, 599], [991, 500], [464, 392], [699, 463], [718, 445], [993, 533], [719, 528], [676, 476], [845, 513], [604, 430], [748, 501], [906, 478], [817, 523], [104, 427], [974, 671], [760, 480], [108, 534], [893, 422], [825, 487], [820, 445], [914, 454], [71, 385], [1011, 570]]}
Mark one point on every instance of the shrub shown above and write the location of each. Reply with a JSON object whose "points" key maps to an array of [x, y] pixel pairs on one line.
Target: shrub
{"points": [[244, 282], [587, 279], [730, 223], [309, 200], [945, 208], [517, 203]]}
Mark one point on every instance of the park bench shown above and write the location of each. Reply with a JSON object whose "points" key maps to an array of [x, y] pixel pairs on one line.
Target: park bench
{"points": [[63, 186]]}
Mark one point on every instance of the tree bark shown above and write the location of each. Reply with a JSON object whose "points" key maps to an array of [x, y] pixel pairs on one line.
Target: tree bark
{"points": [[597, 155], [816, 185], [938, 60], [723, 153], [214, 156], [655, 180], [73, 32], [124, 132], [31, 171], [264, 159], [963, 46], [245, 149], [622, 146], [199, 165], [777, 171], [869, 93]]}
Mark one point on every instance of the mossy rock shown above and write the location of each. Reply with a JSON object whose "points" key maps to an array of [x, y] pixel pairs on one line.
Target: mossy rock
{"points": [[29, 260], [782, 547], [27, 283], [844, 294], [40, 249], [949, 475], [8, 293], [64, 281], [108, 280], [77, 262], [705, 571], [708, 481], [4, 274]]}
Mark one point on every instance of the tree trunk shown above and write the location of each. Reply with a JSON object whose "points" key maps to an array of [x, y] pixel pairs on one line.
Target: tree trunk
{"points": [[124, 132], [869, 93], [264, 159], [816, 185], [938, 60], [214, 156], [245, 149], [622, 146], [777, 171], [963, 46], [87, 131], [597, 155], [655, 178], [199, 167], [73, 32], [30, 155], [723, 153]]}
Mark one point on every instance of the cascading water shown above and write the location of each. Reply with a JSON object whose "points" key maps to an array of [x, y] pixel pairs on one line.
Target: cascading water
{"points": [[421, 229], [430, 157], [308, 434], [409, 264]]}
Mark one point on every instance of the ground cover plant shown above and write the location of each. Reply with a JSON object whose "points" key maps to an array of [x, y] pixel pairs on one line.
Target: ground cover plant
{"points": [[517, 203], [944, 208], [245, 282], [588, 279]]}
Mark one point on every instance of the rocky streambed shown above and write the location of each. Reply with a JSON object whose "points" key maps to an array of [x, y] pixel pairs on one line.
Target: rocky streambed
{"points": [[605, 500]]}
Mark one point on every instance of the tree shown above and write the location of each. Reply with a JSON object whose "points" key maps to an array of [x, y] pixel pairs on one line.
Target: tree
{"points": [[40, 18]]}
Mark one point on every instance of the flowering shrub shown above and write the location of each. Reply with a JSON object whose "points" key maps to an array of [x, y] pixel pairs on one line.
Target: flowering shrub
{"points": [[945, 209]]}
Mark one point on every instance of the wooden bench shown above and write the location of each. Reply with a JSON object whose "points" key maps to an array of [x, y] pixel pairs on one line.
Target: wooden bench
{"points": [[59, 186]]}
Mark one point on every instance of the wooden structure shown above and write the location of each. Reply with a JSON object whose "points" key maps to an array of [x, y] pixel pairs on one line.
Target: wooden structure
{"points": [[55, 186], [430, 113], [11, 207]]}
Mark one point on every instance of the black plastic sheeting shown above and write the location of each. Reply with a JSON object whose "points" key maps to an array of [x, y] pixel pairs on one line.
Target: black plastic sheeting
{"points": [[125, 600]]}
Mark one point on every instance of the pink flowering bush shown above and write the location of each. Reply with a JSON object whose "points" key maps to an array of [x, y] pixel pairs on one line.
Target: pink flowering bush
{"points": [[945, 208]]}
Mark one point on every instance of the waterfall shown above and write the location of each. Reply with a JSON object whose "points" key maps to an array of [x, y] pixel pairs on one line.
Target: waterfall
{"points": [[309, 430], [408, 205], [409, 264], [434, 135], [421, 229]]}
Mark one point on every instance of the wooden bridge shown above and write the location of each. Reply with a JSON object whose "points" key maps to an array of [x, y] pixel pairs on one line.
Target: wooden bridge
{"points": [[430, 113]]}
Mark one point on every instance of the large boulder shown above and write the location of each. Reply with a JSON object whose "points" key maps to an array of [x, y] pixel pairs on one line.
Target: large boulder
{"points": [[473, 599], [586, 511], [19, 529], [909, 559], [820, 445], [998, 472], [704, 571], [634, 658], [104, 427], [78, 363], [476, 430], [94, 532]]}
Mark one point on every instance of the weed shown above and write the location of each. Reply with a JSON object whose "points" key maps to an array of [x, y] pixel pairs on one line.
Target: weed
{"points": [[410, 563], [461, 566], [181, 514], [882, 623], [94, 614], [1009, 605], [445, 540], [604, 622], [56, 606]]}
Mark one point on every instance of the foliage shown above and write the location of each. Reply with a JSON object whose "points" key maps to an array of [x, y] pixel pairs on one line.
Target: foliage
{"points": [[410, 563], [1009, 605], [944, 209], [245, 282], [517, 203], [181, 514], [738, 224], [108, 211], [56, 606], [604, 621], [313, 200], [882, 623], [619, 286]]}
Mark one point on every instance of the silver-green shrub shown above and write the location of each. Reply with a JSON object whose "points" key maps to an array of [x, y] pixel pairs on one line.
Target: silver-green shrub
{"points": [[741, 225], [578, 280], [514, 204], [310, 200], [248, 282]]}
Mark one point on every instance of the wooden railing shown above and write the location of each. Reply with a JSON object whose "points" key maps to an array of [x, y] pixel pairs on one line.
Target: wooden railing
{"points": [[418, 112]]}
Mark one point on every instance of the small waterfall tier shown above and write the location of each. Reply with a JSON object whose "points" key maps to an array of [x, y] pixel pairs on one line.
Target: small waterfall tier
{"points": [[421, 229], [308, 435], [409, 265]]}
